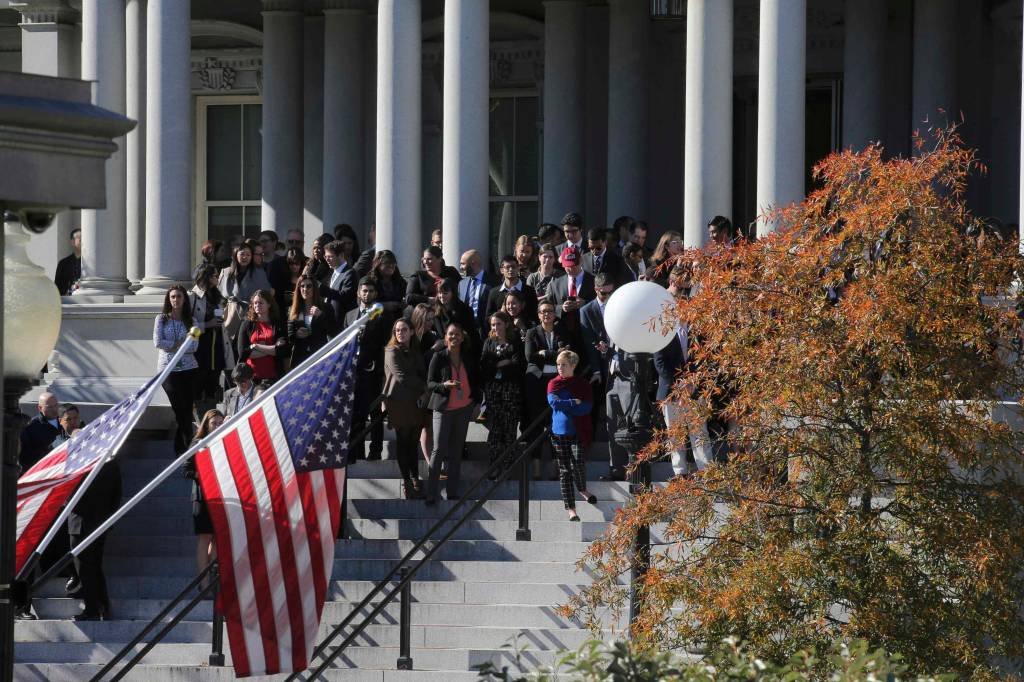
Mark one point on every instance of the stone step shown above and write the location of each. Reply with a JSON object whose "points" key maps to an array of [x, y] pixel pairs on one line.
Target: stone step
{"points": [[394, 508], [521, 615], [148, 672], [454, 550], [354, 591], [360, 657], [391, 487], [201, 632]]}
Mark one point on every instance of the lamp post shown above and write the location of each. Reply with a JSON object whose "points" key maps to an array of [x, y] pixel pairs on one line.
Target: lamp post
{"points": [[633, 320], [31, 322]]}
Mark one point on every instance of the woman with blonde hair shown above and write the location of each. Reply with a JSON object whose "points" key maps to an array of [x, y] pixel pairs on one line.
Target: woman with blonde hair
{"points": [[669, 246], [571, 399]]}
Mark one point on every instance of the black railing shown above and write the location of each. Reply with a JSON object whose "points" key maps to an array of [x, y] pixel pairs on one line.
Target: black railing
{"points": [[496, 474], [209, 590]]}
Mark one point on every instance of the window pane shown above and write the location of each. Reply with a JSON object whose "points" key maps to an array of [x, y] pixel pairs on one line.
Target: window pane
{"points": [[223, 156], [502, 227], [502, 144], [224, 222], [253, 221], [526, 218], [527, 146], [252, 151]]}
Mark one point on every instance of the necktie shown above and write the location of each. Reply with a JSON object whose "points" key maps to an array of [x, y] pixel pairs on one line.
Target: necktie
{"points": [[572, 287], [597, 263], [472, 296]]}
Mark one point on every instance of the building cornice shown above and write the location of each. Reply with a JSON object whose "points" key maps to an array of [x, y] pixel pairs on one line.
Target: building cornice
{"points": [[46, 12]]}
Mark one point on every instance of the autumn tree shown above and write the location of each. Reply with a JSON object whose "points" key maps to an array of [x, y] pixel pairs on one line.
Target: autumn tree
{"points": [[867, 352]]}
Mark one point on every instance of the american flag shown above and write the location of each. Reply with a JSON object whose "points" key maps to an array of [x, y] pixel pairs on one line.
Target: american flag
{"points": [[273, 483], [46, 487]]}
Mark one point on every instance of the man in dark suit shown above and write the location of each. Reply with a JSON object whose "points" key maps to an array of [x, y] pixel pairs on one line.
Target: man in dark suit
{"points": [[572, 228], [572, 290], [369, 370], [475, 286], [672, 363], [69, 268], [338, 287], [38, 436], [633, 265], [101, 500], [599, 352], [602, 259], [511, 281], [275, 266]]}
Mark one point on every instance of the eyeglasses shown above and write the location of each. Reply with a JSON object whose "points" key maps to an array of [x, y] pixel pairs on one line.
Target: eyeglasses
{"points": [[546, 311], [675, 241], [604, 292]]}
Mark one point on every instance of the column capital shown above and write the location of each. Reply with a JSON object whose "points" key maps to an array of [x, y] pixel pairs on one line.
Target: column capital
{"points": [[283, 6], [46, 12]]}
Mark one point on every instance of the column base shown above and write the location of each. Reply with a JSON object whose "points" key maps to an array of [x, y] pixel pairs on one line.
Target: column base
{"points": [[102, 286], [158, 286]]}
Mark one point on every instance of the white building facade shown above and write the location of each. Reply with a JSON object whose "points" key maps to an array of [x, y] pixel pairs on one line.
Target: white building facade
{"points": [[487, 117]]}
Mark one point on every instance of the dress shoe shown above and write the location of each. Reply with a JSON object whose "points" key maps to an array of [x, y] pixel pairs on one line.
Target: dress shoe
{"points": [[73, 586], [89, 615], [612, 475], [25, 614]]}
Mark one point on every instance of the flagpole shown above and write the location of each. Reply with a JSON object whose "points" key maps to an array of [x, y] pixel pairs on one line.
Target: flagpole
{"points": [[339, 340], [33, 558]]}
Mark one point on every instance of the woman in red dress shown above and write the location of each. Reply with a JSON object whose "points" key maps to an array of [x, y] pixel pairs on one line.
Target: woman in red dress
{"points": [[262, 339]]}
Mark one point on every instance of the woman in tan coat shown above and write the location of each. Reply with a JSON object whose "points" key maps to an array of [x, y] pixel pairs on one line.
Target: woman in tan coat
{"points": [[405, 381]]}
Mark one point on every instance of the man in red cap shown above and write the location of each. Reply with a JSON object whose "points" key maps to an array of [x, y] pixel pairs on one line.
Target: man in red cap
{"points": [[571, 291]]}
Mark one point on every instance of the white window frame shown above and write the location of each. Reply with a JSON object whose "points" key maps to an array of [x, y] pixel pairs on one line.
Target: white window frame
{"points": [[202, 206], [521, 93]]}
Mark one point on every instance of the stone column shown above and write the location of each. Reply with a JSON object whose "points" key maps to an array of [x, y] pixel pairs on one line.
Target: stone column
{"points": [[282, 115], [707, 160], [343, 116], [369, 120], [135, 143], [781, 88], [103, 231], [934, 83], [168, 146], [564, 158], [464, 220], [864, 72], [399, 130], [629, 25], [312, 128], [50, 46]]}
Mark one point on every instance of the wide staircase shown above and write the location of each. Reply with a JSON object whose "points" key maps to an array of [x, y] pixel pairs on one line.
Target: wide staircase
{"points": [[479, 593]]}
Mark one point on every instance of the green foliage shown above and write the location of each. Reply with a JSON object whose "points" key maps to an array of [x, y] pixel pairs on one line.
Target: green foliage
{"points": [[620, 661]]}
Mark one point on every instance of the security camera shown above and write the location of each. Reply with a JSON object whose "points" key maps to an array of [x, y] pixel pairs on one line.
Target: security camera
{"points": [[37, 221]]}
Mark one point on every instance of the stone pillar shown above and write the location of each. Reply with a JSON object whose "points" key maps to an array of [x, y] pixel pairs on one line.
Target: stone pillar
{"points": [[934, 86], [707, 160], [864, 51], [168, 146], [399, 130], [135, 143], [50, 46], [629, 24], [781, 95], [464, 218], [282, 115], [564, 157], [312, 128], [369, 121], [343, 117], [103, 231]]}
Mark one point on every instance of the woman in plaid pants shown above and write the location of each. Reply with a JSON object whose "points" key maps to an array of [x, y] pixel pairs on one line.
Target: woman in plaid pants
{"points": [[571, 400]]}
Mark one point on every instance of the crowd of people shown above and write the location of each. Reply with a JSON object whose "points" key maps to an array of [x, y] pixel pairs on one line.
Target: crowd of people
{"points": [[492, 344], [495, 343]]}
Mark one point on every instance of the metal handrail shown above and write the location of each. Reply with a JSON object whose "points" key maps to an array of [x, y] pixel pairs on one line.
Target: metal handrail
{"points": [[210, 589], [501, 468]]}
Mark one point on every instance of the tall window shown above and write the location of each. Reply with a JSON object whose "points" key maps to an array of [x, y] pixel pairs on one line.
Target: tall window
{"points": [[514, 169], [229, 150]]}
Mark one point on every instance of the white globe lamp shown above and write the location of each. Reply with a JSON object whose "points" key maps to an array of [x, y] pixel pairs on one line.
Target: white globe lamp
{"points": [[634, 317], [32, 311]]}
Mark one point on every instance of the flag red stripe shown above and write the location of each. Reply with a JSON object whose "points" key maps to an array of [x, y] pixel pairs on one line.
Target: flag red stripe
{"points": [[316, 554], [55, 499], [257, 559], [227, 599], [293, 587], [334, 500]]}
